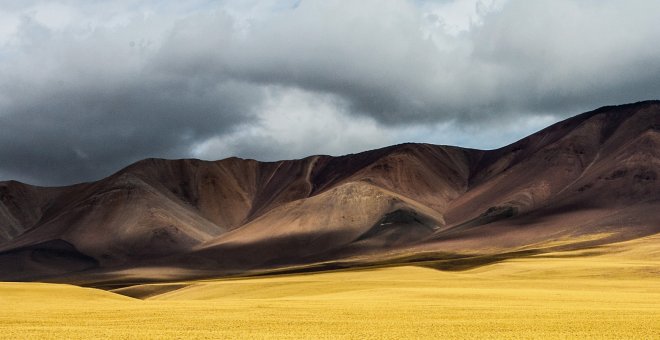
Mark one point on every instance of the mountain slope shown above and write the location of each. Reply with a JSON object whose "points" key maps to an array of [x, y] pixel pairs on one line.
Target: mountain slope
{"points": [[587, 180]]}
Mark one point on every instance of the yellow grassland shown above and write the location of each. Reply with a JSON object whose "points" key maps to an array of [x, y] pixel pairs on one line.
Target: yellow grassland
{"points": [[610, 292]]}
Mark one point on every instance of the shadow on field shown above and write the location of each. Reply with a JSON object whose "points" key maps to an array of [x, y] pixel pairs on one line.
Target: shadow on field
{"points": [[471, 262]]}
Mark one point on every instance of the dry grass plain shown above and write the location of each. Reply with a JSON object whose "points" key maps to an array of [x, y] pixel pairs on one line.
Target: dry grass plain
{"points": [[615, 294]]}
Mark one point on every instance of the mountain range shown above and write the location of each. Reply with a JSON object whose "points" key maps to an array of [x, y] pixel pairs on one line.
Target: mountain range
{"points": [[583, 182]]}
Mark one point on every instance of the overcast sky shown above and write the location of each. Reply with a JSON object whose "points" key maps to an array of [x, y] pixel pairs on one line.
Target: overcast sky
{"points": [[88, 87]]}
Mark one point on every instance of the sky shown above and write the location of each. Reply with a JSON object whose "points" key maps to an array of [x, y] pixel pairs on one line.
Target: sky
{"points": [[88, 87]]}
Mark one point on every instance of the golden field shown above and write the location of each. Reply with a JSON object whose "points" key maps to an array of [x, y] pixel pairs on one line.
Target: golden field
{"points": [[610, 292]]}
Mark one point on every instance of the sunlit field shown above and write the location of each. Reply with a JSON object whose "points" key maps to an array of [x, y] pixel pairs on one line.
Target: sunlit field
{"points": [[562, 295]]}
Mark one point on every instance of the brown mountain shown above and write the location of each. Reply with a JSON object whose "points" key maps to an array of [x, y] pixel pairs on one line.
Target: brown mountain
{"points": [[591, 179]]}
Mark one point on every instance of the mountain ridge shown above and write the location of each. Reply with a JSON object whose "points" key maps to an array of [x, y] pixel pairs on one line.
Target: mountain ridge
{"points": [[592, 174]]}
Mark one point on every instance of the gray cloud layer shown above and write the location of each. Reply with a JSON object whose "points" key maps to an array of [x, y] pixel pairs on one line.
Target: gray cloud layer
{"points": [[86, 88]]}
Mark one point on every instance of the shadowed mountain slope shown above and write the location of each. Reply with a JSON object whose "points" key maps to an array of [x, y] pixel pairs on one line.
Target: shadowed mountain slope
{"points": [[591, 179]]}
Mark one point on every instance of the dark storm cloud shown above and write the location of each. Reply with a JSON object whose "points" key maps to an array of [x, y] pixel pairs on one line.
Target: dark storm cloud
{"points": [[77, 110], [117, 82], [63, 139], [386, 62]]}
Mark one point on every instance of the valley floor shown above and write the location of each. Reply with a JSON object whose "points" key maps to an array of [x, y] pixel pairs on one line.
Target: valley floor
{"points": [[610, 292]]}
